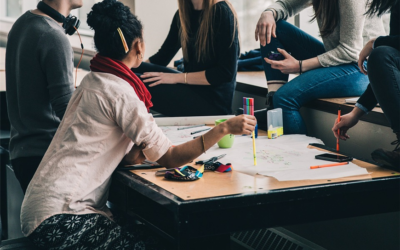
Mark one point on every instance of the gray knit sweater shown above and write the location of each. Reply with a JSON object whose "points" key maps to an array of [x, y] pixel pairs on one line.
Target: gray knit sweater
{"points": [[39, 81], [347, 40]]}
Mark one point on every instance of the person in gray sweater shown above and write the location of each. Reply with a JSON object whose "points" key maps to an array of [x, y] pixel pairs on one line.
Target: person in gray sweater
{"points": [[327, 69], [39, 83]]}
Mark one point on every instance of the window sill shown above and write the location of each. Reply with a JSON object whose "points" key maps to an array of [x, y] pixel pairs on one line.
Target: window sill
{"points": [[86, 35]]}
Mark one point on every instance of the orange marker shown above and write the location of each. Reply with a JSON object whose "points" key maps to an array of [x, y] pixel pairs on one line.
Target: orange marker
{"points": [[329, 165], [337, 141]]}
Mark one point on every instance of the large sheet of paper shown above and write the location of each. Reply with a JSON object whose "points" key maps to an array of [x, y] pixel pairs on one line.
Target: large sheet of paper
{"points": [[189, 120], [286, 158]]}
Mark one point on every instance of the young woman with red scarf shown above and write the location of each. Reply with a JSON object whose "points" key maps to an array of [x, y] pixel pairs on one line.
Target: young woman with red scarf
{"points": [[106, 122]]}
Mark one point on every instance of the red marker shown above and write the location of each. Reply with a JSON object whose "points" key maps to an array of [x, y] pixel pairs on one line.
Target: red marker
{"points": [[329, 165]]}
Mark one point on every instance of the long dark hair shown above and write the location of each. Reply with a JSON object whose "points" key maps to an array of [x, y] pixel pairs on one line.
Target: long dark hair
{"points": [[204, 44], [380, 7], [328, 12]]}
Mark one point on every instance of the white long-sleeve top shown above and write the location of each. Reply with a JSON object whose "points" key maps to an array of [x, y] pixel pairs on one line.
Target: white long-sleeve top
{"points": [[355, 29], [103, 120]]}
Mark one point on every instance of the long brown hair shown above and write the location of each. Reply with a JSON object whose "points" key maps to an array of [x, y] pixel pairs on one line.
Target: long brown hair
{"points": [[328, 12], [380, 7], [204, 46]]}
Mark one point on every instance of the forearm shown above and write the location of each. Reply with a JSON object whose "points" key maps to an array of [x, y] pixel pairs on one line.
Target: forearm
{"points": [[357, 112], [196, 78], [185, 153], [310, 64], [288, 8]]}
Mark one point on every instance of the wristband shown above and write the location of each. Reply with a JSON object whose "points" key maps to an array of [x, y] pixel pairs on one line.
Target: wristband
{"points": [[301, 66]]}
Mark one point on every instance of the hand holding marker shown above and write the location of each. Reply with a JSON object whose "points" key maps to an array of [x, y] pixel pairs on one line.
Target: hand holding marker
{"points": [[248, 109]]}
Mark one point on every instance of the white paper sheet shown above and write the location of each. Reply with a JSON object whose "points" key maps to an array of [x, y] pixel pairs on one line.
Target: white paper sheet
{"points": [[181, 136], [189, 120], [285, 158]]}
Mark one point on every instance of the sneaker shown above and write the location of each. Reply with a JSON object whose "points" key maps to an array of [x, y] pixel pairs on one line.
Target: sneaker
{"points": [[388, 159]]}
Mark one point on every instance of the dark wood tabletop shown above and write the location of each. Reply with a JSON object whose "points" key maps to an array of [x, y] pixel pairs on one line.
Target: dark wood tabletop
{"points": [[211, 220]]}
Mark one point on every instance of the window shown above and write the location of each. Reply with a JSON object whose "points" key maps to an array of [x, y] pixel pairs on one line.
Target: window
{"points": [[248, 14], [12, 9], [83, 11]]}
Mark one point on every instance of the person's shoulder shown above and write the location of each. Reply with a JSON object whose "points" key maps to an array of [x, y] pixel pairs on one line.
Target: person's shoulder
{"points": [[223, 13], [176, 15], [351, 4], [223, 9], [224, 16], [176, 19], [107, 85]]}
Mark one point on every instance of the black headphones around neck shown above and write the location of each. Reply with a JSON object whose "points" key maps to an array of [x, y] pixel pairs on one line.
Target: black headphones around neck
{"points": [[70, 23]]}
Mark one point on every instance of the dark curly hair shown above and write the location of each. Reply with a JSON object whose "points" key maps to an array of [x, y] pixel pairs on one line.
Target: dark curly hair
{"points": [[105, 18]]}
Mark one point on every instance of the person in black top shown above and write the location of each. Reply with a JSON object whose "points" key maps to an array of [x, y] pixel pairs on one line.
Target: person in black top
{"points": [[383, 70], [208, 35]]}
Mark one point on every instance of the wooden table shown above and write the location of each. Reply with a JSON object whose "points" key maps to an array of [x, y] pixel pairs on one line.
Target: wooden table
{"points": [[206, 223]]}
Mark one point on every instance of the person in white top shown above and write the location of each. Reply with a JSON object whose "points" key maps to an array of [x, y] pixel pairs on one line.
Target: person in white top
{"points": [[106, 122]]}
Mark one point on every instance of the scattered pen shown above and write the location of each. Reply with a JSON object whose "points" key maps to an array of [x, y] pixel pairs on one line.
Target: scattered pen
{"points": [[329, 165], [194, 126], [139, 166], [200, 131]]}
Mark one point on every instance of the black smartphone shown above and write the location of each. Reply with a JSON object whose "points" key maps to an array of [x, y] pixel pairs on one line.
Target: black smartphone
{"points": [[276, 56], [332, 157]]}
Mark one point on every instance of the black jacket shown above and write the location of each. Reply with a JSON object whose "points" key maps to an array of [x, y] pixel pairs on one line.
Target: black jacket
{"points": [[368, 99]]}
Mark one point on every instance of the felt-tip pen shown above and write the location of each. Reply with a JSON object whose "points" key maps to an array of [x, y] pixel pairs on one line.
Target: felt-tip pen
{"points": [[329, 165], [200, 131]]}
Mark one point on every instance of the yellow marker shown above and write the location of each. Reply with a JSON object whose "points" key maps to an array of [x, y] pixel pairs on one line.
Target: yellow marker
{"points": [[254, 149]]}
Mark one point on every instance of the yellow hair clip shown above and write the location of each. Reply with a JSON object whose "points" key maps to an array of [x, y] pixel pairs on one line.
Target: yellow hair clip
{"points": [[123, 40]]}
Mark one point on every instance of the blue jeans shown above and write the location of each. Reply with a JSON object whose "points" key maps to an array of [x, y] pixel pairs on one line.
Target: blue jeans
{"points": [[337, 81]]}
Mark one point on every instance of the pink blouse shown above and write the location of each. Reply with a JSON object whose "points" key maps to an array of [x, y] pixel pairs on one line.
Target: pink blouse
{"points": [[103, 120]]}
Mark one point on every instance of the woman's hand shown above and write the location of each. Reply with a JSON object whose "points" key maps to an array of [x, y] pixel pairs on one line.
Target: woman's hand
{"points": [[266, 27], [242, 124], [287, 66], [162, 78], [364, 54], [346, 122]]}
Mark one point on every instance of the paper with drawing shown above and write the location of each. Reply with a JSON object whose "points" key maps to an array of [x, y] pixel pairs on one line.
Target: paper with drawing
{"points": [[285, 158]]}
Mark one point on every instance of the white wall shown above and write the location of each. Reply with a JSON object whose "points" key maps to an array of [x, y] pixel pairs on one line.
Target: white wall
{"points": [[307, 26], [156, 17]]}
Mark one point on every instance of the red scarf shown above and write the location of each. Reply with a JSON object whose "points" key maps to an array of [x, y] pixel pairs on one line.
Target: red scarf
{"points": [[104, 64]]}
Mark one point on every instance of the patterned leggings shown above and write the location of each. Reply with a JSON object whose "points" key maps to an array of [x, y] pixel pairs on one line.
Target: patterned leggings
{"points": [[90, 231]]}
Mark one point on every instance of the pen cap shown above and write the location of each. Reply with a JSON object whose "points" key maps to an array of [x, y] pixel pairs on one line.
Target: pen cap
{"points": [[279, 117], [245, 105], [272, 118], [251, 103]]}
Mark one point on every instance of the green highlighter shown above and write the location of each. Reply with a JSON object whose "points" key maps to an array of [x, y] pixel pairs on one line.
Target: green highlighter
{"points": [[227, 140]]}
